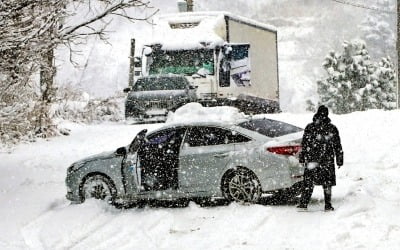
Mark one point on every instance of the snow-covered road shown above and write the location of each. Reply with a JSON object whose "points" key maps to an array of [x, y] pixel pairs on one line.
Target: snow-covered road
{"points": [[36, 215]]}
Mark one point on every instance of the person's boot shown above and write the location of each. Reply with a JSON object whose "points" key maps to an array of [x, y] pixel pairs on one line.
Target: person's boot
{"points": [[328, 197], [305, 196], [329, 208]]}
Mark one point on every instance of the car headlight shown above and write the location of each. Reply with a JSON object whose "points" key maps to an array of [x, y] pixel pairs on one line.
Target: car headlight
{"points": [[75, 166]]}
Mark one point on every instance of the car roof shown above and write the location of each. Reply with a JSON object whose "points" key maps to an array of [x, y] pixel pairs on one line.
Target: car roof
{"points": [[200, 123]]}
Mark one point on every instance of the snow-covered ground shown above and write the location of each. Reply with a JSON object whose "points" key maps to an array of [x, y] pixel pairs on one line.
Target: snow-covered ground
{"points": [[36, 215]]}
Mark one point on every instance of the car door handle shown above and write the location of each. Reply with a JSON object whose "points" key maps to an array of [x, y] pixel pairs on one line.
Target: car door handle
{"points": [[221, 155]]}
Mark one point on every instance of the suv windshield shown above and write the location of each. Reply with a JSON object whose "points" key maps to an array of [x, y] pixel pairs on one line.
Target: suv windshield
{"points": [[270, 128], [160, 83]]}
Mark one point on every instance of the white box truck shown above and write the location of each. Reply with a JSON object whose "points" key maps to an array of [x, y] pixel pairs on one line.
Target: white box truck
{"points": [[228, 59]]}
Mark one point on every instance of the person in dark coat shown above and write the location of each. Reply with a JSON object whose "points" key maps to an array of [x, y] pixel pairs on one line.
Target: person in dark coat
{"points": [[320, 146]]}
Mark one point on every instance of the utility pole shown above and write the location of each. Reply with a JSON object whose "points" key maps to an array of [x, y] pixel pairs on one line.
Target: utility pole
{"points": [[189, 5], [398, 52]]}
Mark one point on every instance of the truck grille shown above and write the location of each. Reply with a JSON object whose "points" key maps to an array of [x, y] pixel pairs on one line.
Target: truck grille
{"points": [[159, 105]]}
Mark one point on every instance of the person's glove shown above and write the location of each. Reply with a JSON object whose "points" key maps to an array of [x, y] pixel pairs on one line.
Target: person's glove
{"points": [[339, 161]]}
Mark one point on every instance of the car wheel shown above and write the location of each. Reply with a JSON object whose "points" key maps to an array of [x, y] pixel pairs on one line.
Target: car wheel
{"points": [[98, 187], [242, 186]]}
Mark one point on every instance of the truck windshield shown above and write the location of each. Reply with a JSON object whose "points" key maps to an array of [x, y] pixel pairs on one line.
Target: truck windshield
{"points": [[160, 83], [187, 62]]}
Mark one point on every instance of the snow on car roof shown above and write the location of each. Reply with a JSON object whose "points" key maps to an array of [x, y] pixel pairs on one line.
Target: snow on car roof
{"points": [[195, 113], [194, 30]]}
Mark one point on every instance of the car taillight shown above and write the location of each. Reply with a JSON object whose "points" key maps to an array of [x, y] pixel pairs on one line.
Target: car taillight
{"points": [[285, 150]]}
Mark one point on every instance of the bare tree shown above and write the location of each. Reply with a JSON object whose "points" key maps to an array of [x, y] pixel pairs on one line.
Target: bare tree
{"points": [[30, 31]]}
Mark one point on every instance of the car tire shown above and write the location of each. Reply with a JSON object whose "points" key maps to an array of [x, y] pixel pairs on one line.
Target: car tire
{"points": [[98, 187], [241, 185]]}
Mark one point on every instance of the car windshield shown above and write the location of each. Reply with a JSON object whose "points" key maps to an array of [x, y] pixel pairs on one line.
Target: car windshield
{"points": [[270, 128], [160, 83]]}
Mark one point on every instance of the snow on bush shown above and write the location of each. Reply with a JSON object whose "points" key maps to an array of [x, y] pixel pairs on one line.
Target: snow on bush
{"points": [[76, 105], [193, 112], [19, 112], [16, 122]]}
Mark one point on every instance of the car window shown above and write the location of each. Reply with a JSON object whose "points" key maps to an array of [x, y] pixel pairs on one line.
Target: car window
{"points": [[159, 138], [208, 136], [165, 136], [270, 128]]}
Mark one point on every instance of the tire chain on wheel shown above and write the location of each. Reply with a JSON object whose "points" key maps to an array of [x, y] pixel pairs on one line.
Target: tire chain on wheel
{"points": [[251, 177]]}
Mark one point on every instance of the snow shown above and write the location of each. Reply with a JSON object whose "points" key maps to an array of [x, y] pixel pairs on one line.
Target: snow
{"points": [[207, 30], [195, 112], [36, 215]]}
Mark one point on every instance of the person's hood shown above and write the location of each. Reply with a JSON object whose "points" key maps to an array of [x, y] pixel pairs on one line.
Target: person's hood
{"points": [[322, 115]]}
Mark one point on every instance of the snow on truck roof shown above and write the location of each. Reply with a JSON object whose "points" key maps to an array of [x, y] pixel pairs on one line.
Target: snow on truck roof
{"points": [[195, 30]]}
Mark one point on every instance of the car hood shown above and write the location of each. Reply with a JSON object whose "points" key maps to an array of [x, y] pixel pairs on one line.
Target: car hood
{"points": [[102, 156], [157, 95]]}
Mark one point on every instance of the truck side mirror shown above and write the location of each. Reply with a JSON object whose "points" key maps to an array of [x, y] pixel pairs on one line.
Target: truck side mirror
{"points": [[126, 90]]}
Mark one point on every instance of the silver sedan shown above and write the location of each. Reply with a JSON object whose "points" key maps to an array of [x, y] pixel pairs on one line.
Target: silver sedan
{"points": [[232, 161]]}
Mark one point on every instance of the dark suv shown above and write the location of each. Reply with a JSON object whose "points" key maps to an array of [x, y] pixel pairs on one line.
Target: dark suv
{"points": [[152, 97]]}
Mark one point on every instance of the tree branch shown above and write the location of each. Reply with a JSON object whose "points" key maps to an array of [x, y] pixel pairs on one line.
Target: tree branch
{"points": [[112, 10]]}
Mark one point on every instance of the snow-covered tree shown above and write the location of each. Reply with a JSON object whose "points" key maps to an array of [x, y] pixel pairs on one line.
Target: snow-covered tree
{"points": [[379, 30], [354, 82], [30, 31], [384, 82]]}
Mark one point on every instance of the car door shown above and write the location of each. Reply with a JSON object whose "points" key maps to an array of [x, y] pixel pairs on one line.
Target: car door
{"points": [[205, 153], [159, 159], [131, 165]]}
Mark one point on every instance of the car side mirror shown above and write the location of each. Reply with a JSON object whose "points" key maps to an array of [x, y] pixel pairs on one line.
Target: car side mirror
{"points": [[126, 90], [121, 151]]}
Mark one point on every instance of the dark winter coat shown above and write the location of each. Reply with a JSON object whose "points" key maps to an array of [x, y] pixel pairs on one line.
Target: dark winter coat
{"points": [[321, 144]]}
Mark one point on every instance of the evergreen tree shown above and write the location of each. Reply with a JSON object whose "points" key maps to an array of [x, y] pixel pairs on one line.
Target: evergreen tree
{"points": [[354, 82], [384, 82]]}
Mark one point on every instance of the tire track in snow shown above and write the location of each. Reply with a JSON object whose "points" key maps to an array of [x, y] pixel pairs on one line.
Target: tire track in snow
{"points": [[38, 233]]}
